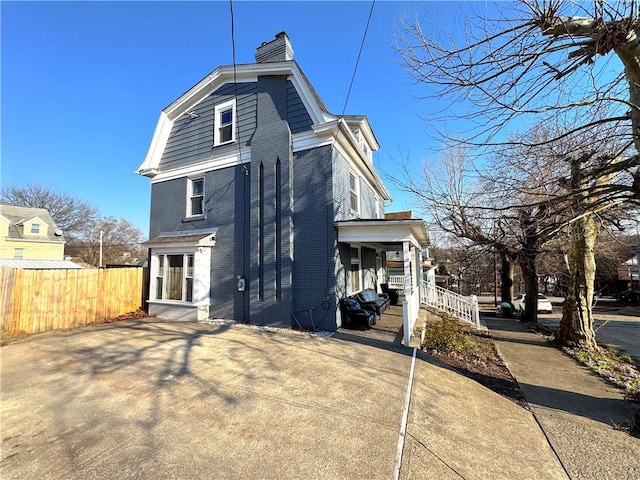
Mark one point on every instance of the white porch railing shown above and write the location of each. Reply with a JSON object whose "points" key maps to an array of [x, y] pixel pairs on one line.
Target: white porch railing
{"points": [[397, 282], [410, 309], [464, 308]]}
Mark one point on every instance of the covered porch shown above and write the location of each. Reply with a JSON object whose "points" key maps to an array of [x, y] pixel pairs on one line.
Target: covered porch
{"points": [[388, 329], [408, 236]]}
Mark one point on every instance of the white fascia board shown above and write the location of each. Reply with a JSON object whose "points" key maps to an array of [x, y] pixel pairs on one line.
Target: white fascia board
{"points": [[384, 231], [180, 246], [362, 123], [33, 219], [307, 97], [366, 130], [207, 165], [308, 140], [377, 236], [149, 166]]}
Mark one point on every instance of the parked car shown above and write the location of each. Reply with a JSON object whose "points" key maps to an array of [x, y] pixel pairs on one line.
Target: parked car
{"points": [[629, 295], [544, 305]]}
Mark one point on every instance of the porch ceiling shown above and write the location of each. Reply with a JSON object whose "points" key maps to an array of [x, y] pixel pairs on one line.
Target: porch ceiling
{"points": [[390, 233]]}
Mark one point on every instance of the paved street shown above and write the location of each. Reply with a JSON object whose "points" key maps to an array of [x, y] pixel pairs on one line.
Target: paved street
{"points": [[616, 325]]}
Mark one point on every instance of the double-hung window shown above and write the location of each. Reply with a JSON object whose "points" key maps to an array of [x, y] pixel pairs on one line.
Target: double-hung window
{"points": [[354, 193], [225, 123], [35, 229], [356, 271], [180, 278], [174, 277], [195, 202]]}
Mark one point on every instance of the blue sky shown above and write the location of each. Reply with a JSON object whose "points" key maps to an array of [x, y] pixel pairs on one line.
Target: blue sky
{"points": [[83, 83]]}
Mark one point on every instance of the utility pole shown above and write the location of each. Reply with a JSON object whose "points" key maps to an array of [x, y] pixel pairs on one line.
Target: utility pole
{"points": [[101, 232]]}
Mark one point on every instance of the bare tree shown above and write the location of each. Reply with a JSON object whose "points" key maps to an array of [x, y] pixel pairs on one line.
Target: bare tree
{"points": [[545, 61], [70, 214], [527, 58], [120, 241], [81, 225]]}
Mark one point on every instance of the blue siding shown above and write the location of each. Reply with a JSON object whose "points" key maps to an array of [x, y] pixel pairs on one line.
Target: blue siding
{"points": [[367, 201], [191, 139], [297, 115]]}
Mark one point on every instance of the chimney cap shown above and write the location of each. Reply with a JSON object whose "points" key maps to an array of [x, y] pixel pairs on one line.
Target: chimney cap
{"points": [[277, 50]]}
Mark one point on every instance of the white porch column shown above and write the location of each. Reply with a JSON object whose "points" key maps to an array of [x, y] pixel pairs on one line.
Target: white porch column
{"points": [[408, 268], [419, 275], [407, 306]]}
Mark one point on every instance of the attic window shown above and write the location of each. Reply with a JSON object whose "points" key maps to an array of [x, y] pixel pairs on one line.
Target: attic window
{"points": [[35, 228], [224, 124]]}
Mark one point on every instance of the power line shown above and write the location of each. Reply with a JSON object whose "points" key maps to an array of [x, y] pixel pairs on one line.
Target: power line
{"points": [[245, 170], [355, 68]]}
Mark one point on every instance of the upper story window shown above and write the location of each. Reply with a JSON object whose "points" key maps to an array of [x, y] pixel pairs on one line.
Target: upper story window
{"points": [[224, 125], [35, 228], [18, 253], [354, 193], [195, 202]]}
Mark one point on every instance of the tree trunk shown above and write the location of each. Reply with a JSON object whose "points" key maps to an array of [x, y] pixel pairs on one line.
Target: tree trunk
{"points": [[576, 326], [629, 54], [506, 277], [527, 262]]}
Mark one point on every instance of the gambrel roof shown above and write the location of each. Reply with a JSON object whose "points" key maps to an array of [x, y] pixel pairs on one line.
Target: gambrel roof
{"points": [[326, 129]]}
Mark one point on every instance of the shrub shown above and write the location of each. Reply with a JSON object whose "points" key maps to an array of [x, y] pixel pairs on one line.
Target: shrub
{"points": [[447, 336]]}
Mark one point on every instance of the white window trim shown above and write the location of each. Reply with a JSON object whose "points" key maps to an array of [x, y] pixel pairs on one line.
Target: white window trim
{"points": [[164, 277], [216, 124], [190, 181], [358, 262], [357, 192], [201, 275]]}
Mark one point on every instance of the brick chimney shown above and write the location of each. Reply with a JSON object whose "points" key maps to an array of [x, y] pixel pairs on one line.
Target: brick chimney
{"points": [[277, 50]]}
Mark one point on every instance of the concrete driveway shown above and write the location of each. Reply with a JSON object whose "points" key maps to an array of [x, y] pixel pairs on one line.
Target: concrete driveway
{"points": [[158, 399]]}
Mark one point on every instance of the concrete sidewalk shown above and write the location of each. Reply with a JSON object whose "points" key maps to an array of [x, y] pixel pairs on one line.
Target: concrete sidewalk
{"points": [[151, 399], [576, 409]]}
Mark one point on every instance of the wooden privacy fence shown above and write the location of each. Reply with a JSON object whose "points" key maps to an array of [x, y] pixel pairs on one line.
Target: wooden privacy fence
{"points": [[33, 301]]}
